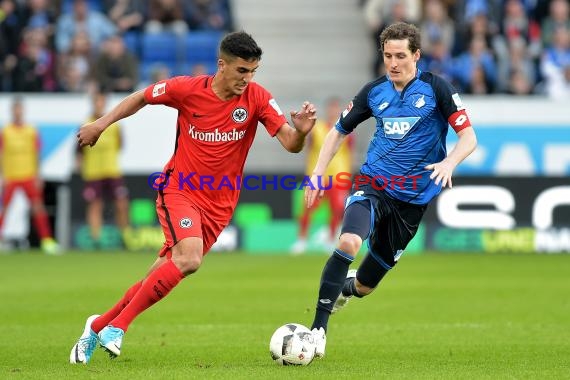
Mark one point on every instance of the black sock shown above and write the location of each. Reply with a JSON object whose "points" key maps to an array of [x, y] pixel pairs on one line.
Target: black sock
{"points": [[332, 281]]}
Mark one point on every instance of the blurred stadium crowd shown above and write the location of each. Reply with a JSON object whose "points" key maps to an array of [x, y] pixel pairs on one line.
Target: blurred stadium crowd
{"points": [[517, 47], [114, 45]]}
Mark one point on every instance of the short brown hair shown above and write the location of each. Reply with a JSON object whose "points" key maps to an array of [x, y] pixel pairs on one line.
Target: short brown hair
{"points": [[402, 31]]}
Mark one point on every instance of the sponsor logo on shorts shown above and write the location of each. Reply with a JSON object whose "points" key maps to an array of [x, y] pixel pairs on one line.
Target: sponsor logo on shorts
{"points": [[185, 223]]}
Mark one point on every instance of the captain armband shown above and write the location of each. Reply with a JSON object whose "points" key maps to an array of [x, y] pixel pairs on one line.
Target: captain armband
{"points": [[459, 120]]}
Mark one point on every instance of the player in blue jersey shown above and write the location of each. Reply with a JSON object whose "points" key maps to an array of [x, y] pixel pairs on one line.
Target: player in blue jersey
{"points": [[406, 166]]}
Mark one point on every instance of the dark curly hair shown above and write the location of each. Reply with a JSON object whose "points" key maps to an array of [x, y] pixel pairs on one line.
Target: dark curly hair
{"points": [[402, 31], [240, 44]]}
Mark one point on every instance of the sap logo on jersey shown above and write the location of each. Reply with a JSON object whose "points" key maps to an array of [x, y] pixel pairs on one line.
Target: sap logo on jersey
{"points": [[397, 127]]}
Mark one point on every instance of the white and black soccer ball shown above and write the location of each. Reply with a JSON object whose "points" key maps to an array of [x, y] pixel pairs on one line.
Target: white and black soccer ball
{"points": [[292, 344]]}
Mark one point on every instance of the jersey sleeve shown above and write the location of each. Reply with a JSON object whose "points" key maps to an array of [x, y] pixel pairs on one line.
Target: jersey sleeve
{"points": [[169, 92], [270, 115], [450, 105], [355, 113]]}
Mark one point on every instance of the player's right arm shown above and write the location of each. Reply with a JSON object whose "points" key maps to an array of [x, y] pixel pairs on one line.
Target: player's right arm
{"points": [[355, 113], [332, 143], [89, 133]]}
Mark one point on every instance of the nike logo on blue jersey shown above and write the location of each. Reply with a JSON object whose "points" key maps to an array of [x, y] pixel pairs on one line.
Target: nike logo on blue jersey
{"points": [[397, 127]]}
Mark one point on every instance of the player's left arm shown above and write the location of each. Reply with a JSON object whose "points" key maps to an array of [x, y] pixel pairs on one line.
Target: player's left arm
{"points": [[451, 108], [293, 138], [443, 170]]}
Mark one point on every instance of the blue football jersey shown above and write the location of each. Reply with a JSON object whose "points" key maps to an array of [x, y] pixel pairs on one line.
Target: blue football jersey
{"points": [[411, 130]]}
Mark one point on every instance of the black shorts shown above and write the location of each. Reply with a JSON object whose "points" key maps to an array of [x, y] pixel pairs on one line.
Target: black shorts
{"points": [[388, 223]]}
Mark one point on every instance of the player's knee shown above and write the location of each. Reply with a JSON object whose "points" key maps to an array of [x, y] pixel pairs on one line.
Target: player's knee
{"points": [[363, 290], [350, 243], [37, 207], [187, 262]]}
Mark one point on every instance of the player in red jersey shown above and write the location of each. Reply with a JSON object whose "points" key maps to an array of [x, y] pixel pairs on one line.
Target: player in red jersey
{"points": [[217, 120]]}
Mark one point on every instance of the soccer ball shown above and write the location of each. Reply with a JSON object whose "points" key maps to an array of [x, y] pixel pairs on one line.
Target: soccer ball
{"points": [[292, 344]]}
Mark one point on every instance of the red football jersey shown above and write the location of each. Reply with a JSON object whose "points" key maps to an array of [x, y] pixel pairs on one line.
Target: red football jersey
{"points": [[213, 138]]}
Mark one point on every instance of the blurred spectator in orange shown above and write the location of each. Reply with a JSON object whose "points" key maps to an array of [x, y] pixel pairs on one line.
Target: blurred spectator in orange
{"points": [[340, 164], [115, 68], [166, 15], [128, 15], [74, 66], [208, 15], [97, 26], [102, 174], [20, 147]]}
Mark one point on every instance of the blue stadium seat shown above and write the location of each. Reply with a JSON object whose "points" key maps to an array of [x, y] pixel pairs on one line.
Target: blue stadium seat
{"points": [[201, 47], [146, 70], [160, 47], [132, 42], [186, 69]]}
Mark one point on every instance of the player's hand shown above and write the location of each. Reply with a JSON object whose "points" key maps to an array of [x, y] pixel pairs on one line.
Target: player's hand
{"points": [[314, 192], [304, 119], [442, 172], [89, 133]]}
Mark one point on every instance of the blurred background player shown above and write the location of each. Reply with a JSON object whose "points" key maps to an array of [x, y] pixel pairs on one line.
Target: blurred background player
{"points": [[20, 155], [341, 163], [100, 170]]}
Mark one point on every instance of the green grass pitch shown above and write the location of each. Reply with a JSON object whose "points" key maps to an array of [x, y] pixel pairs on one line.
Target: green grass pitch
{"points": [[436, 316]]}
